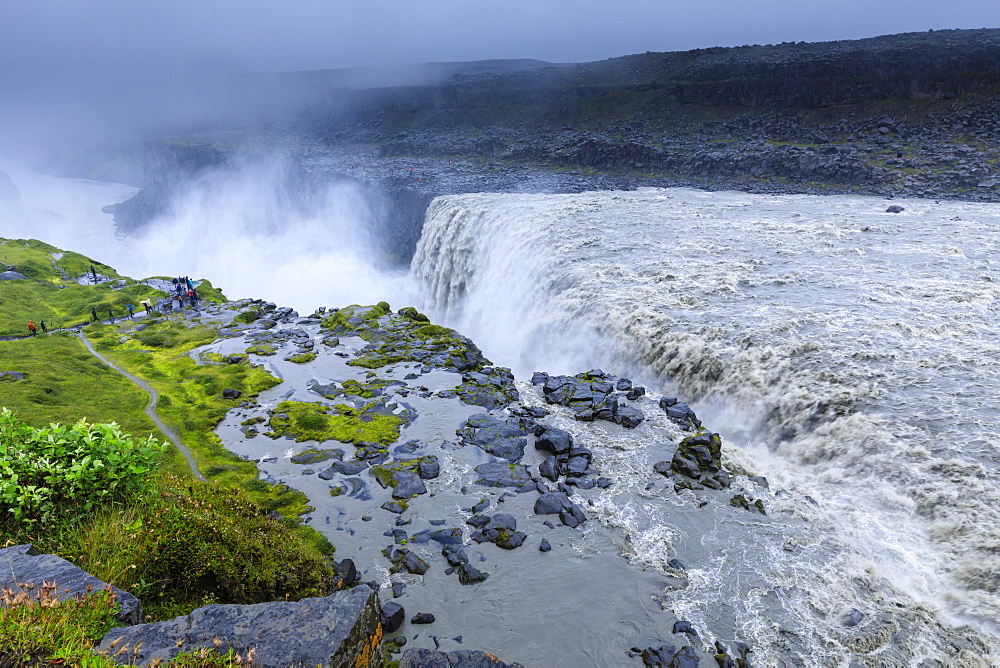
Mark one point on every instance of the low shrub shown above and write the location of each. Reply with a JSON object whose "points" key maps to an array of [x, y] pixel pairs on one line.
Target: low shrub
{"points": [[191, 540], [58, 474]]}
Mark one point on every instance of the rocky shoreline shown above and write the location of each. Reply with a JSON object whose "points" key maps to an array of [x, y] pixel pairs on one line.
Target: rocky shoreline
{"points": [[359, 382]]}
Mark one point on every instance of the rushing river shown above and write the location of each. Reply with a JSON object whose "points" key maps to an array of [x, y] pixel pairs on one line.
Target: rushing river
{"points": [[847, 354]]}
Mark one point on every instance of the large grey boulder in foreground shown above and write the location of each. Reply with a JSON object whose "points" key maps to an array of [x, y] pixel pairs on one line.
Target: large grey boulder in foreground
{"points": [[428, 658], [339, 630], [21, 564]]}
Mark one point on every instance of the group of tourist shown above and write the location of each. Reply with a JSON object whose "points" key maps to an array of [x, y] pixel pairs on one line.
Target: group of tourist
{"points": [[184, 292]]}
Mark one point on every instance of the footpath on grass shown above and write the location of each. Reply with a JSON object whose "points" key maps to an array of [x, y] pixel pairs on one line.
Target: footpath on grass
{"points": [[150, 409]]}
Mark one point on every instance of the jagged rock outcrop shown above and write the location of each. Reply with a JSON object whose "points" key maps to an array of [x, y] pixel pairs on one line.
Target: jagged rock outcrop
{"points": [[23, 565], [339, 630]]}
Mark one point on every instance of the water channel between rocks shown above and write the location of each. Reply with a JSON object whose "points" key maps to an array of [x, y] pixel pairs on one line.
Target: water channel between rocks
{"points": [[602, 588]]}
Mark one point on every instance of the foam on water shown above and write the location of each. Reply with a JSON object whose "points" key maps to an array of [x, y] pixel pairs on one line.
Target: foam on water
{"points": [[846, 353]]}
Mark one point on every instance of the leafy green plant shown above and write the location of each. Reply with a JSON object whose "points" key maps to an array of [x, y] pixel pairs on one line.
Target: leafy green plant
{"points": [[57, 474]]}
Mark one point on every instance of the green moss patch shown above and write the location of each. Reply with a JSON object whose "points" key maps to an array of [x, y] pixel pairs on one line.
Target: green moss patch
{"points": [[263, 349], [302, 358], [317, 421]]}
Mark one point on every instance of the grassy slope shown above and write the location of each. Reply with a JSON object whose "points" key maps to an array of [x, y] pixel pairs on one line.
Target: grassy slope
{"points": [[64, 383], [46, 296]]}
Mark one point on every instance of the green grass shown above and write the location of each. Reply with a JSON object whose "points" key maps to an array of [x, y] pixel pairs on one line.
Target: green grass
{"points": [[64, 383], [45, 296]]}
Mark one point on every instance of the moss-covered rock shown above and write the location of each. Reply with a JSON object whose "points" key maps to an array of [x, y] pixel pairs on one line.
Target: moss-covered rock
{"points": [[317, 421]]}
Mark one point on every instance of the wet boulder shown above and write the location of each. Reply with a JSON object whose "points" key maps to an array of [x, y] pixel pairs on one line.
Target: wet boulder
{"points": [[403, 559], [500, 474], [429, 658], [573, 516], [491, 387], [503, 438], [455, 555], [429, 467], [554, 440], [698, 455], [552, 503], [407, 485], [392, 617], [469, 574], [549, 468]]}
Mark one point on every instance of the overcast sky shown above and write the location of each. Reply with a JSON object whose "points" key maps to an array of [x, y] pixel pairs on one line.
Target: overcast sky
{"points": [[87, 39]]}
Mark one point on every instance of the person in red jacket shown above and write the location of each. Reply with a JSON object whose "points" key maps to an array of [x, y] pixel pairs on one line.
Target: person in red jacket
{"points": [[31, 327]]}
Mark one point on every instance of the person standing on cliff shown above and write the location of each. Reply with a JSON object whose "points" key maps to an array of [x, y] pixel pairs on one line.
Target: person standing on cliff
{"points": [[31, 327], [93, 273]]}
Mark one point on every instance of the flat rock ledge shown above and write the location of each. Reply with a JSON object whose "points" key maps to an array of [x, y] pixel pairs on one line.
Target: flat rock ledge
{"points": [[23, 565], [339, 630], [429, 658]]}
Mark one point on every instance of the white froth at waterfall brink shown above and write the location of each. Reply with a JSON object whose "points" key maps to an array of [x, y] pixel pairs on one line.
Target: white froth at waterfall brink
{"points": [[847, 353]]}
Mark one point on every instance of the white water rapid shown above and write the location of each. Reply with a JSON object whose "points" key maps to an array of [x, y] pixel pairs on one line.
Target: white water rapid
{"points": [[847, 354]]}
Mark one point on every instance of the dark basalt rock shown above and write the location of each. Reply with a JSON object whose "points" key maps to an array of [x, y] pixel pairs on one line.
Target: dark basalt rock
{"points": [[393, 616], [895, 208], [394, 506], [22, 564], [468, 574], [657, 657], [490, 388], [664, 468], [549, 468], [573, 517], [447, 536], [403, 559], [501, 438], [455, 555], [317, 456], [347, 468], [854, 617], [554, 440], [544, 546], [510, 540], [552, 503], [331, 630], [230, 393], [498, 474], [684, 627], [741, 501], [429, 467], [429, 658], [346, 573], [698, 455], [422, 618], [408, 485]]}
